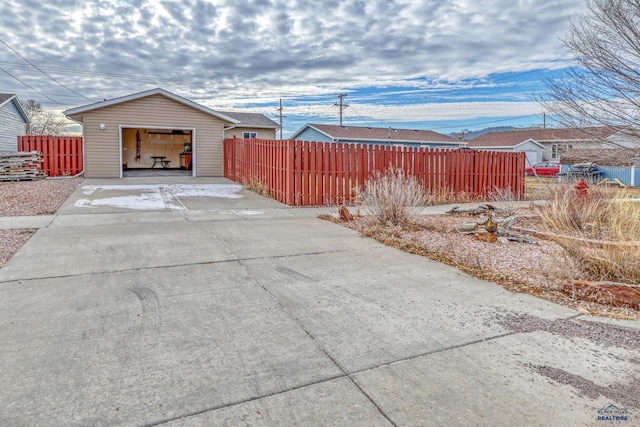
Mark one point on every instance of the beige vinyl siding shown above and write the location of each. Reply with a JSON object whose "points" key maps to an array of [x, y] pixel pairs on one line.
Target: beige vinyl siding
{"points": [[102, 147], [262, 133]]}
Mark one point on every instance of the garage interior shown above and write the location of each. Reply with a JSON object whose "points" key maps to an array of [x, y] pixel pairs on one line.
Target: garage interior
{"points": [[153, 152]]}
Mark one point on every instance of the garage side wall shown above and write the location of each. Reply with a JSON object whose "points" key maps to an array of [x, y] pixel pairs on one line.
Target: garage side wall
{"points": [[102, 147]]}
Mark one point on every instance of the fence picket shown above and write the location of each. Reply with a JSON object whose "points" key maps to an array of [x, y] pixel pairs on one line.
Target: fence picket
{"points": [[62, 155], [303, 173]]}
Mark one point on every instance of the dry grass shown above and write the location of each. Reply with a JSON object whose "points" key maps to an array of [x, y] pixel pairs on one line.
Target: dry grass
{"points": [[257, 186], [446, 197], [601, 230]]}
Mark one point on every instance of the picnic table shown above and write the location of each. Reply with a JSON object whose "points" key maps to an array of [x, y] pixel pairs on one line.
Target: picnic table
{"points": [[161, 160]]}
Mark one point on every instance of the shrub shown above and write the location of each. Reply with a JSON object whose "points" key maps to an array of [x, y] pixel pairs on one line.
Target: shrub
{"points": [[393, 196], [600, 230], [506, 198]]}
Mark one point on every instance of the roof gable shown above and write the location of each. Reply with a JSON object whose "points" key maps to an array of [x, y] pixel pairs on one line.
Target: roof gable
{"points": [[361, 133], [157, 91], [5, 98]]}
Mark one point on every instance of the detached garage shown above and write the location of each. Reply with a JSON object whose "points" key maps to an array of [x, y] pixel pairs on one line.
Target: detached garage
{"points": [[504, 141], [155, 129]]}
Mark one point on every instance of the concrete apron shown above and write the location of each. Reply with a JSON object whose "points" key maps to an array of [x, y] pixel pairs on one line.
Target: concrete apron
{"points": [[215, 306]]}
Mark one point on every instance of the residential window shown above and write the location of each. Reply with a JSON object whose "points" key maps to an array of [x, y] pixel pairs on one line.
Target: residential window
{"points": [[249, 135]]}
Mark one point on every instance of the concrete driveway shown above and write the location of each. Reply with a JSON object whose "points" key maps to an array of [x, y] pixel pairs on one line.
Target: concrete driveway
{"points": [[196, 303]]}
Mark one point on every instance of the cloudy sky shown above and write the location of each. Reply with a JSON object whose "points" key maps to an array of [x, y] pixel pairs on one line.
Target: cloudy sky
{"points": [[443, 65]]}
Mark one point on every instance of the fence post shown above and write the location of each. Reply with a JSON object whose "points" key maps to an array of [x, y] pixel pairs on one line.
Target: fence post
{"points": [[290, 173]]}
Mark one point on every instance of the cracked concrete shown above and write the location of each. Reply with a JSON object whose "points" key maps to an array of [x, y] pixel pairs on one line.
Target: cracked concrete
{"points": [[214, 316]]}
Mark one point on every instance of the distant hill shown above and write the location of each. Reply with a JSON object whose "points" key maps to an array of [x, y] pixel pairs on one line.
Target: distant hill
{"points": [[476, 133]]}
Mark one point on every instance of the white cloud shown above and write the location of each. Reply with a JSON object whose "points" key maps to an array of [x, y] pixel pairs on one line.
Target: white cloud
{"points": [[242, 51], [429, 111]]}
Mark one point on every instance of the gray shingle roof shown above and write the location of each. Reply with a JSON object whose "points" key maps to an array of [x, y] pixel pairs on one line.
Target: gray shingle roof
{"points": [[601, 156], [378, 134], [255, 120], [515, 137], [5, 96]]}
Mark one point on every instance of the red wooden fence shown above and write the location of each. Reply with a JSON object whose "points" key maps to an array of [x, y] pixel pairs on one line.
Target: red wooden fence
{"points": [[62, 154], [303, 173]]}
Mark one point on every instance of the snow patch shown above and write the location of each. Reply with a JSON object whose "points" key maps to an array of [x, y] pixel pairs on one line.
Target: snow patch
{"points": [[154, 197], [223, 191], [250, 212]]}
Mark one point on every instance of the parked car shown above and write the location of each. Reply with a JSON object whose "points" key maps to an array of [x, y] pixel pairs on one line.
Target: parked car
{"points": [[543, 169], [588, 170]]}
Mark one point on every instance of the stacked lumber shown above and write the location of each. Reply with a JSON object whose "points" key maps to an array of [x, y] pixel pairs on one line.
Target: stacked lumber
{"points": [[21, 166]]}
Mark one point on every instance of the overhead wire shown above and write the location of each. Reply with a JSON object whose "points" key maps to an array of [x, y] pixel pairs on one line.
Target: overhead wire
{"points": [[39, 69], [32, 88]]}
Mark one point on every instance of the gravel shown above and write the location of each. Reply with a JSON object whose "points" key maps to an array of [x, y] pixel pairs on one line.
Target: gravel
{"points": [[12, 241], [29, 198], [43, 197], [627, 393], [603, 334]]}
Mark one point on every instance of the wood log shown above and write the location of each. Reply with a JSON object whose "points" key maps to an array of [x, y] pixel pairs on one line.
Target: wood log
{"points": [[611, 293], [497, 228]]}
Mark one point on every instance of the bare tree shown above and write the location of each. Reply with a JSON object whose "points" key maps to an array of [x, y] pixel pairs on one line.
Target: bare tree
{"points": [[43, 122], [603, 86], [462, 135]]}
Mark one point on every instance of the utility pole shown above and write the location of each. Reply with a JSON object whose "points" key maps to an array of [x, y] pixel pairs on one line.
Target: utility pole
{"points": [[281, 117], [341, 105]]}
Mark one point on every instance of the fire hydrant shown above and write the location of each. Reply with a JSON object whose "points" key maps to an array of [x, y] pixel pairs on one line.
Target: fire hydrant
{"points": [[582, 188]]}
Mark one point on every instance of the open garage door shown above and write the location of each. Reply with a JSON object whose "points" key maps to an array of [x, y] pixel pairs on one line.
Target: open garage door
{"points": [[157, 150]]}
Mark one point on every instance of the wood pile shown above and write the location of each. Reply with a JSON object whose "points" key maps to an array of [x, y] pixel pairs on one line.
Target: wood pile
{"points": [[21, 166]]}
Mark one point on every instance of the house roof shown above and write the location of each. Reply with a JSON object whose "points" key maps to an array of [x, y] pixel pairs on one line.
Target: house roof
{"points": [[4, 97], [600, 156], [157, 91], [8, 97], [361, 133], [516, 137], [254, 120]]}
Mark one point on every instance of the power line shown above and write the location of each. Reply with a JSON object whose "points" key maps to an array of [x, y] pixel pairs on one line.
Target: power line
{"points": [[31, 87], [341, 105], [37, 68], [75, 72], [358, 114], [281, 117]]}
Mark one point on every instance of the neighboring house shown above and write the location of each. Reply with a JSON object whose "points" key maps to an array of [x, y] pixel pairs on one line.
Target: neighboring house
{"points": [[534, 150], [541, 145], [376, 136], [13, 122], [134, 131], [251, 125]]}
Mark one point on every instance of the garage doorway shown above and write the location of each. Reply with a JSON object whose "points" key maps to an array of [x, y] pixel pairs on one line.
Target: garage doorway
{"points": [[157, 151]]}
